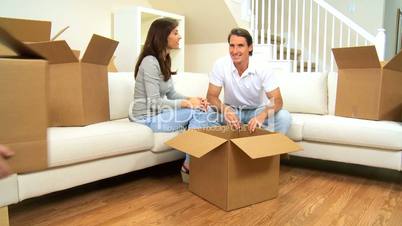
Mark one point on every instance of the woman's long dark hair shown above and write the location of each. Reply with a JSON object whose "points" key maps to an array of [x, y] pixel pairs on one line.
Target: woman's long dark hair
{"points": [[156, 45]]}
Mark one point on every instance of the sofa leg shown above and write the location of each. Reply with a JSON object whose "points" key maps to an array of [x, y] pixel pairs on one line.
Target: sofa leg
{"points": [[4, 216]]}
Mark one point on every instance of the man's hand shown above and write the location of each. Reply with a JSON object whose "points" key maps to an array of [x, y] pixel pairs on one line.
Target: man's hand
{"points": [[256, 121], [4, 154], [231, 118]]}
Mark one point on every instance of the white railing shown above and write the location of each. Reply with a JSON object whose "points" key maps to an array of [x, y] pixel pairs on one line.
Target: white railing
{"points": [[311, 26]]}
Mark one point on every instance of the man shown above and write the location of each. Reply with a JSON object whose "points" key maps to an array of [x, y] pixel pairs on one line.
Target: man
{"points": [[4, 168], [252, 95]]}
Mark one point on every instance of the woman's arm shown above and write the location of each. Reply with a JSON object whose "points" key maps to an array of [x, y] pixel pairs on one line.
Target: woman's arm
{"points": [[151, 79]]}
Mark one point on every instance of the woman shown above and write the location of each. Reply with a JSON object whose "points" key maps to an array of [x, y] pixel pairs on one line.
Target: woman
{"points": [[154, 83]]}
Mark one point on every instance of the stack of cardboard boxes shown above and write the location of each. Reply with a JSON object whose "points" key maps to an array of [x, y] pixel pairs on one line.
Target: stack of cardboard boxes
{"points": [[44, 84]]}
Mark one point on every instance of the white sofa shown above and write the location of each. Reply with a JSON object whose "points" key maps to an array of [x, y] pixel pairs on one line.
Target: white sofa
{"points": [[79, 155]]}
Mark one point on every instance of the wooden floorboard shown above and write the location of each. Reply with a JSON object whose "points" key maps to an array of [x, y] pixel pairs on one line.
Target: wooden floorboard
{"points": [[310, 193]]}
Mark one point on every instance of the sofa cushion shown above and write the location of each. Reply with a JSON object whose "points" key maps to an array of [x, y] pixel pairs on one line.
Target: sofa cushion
{"points": [[332, 87], [69, 145], [9, 190], [304, 92], [350, 131], [295, 131], [160, 139], [121, 92]]}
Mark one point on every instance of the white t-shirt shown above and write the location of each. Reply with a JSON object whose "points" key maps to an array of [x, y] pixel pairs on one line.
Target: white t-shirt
{"points": [[248, 90]]}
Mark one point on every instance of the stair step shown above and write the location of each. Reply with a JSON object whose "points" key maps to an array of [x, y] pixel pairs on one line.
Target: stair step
{"points": [[279, 40], [285, 52], [313, 65]]}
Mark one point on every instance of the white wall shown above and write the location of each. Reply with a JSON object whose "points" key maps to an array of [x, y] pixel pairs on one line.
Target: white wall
{"points": [[84, 17], [366, 13], [201, 57], [391, 7]]}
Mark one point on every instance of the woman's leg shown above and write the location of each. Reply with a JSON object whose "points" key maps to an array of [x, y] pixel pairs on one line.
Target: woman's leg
{"points": [[169, 120], [174, 120]]}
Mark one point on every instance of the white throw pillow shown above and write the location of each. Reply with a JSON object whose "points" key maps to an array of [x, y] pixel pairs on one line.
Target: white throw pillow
{"points": [[304, 92], [332, 87], [121, 92]]}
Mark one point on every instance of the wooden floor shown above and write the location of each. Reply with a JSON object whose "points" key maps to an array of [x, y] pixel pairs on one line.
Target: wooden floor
{"points": [[308, 196]]}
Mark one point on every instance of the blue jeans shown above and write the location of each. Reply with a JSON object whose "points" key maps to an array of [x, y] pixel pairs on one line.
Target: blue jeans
{"points": [[174, 120], [279, 123]]}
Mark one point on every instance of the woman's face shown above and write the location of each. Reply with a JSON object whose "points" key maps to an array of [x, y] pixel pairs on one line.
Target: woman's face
{"points": [[173, 39]]}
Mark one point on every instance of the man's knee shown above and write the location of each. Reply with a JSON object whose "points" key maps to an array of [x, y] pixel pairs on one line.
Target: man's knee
{"points": [[283, 119], [283, 116]]}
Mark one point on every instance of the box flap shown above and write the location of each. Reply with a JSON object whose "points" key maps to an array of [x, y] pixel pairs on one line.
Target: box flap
{"points": [[17, 46], [59, 33], [395, 63], [195, 143], [56, 52], [356, 57], [100, 50], [266, 145], [27, 30]]}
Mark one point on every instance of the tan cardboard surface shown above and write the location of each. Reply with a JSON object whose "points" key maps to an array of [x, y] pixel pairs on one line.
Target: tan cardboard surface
{"points": [[111, 67], [65, 95], [95, 92], [23, 107], [195, 143], [368, 92], [356, 57], [78, 91], [100, 50], [9, 42], [251, 180], [395, 63], [27, 30], [29, 156], [56, 52], [224, 174], [257, 146], [209, 176], [391, 96], [77, 53], [358, 93]]}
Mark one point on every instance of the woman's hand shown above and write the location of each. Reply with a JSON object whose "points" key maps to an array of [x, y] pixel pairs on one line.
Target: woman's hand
{"points": [[195, 102]]}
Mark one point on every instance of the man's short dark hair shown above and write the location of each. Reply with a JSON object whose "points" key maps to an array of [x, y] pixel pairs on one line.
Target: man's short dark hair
{"points": [[242, 33]]}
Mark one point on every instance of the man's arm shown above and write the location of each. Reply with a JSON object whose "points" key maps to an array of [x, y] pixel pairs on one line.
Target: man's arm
{"points": [[213, 97], [275, 99], [228, 113], [276, 104]]}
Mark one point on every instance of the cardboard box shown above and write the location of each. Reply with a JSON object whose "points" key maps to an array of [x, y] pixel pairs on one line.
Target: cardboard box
{"points": [[27, 30], [23, 105], [78, 89], [233, 169], [367, 89]]}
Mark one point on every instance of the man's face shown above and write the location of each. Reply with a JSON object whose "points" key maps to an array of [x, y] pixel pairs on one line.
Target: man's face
{"points": [[239, 49]]}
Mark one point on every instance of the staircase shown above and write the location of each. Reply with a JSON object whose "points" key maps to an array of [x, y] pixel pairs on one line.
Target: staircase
{"points": [[303, 32], [294, 54]]}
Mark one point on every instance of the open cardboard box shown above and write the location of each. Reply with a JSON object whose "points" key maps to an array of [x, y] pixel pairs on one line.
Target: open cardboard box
{"points": [[23, 105], [78, 89], [368, 89], [233, 169]]}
